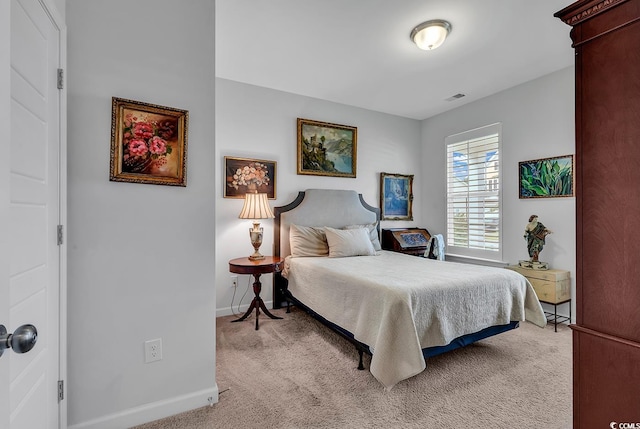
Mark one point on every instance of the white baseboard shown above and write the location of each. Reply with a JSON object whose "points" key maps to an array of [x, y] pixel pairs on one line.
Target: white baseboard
{"points": [[154, 411]]}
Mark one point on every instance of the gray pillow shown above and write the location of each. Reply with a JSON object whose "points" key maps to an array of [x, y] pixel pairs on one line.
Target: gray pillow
{"points": [[373, 233], [349, 242]]}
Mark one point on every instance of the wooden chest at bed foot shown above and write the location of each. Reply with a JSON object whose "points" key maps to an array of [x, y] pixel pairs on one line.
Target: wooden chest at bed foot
{"points": [[551, 286]]}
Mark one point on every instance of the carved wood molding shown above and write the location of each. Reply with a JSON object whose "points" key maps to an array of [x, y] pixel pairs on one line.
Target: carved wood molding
{"points": [[604, 336], [578, 13]]}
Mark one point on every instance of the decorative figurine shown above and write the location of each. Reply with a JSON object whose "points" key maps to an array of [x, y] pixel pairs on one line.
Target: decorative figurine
{"points": [[535, 233]]}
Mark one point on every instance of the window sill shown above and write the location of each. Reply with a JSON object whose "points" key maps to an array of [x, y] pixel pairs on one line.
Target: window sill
{"points": [[476, 261]]}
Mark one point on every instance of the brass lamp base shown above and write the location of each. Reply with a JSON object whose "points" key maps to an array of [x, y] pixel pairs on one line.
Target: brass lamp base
{"points": [[256, 241], [256, 256]]}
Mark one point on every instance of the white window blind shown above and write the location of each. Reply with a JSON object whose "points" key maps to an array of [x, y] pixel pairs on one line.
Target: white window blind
{"points": [[474, 193]]}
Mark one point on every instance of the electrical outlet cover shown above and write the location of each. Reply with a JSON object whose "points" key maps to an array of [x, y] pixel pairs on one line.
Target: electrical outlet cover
{"points": [[153, 350]]}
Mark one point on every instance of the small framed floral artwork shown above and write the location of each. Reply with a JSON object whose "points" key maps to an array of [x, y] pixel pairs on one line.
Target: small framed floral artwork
{"points": [[148, 143], [396, 196], [244, 175], [326, 149]]}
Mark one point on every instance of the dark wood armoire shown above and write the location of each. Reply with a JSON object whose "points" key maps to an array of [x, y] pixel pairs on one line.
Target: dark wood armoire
{"points": [[606, 336]]}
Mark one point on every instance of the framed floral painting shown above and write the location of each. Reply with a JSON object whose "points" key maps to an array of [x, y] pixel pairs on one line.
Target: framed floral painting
{"points": [[244, 175], [326, 149], [148, 143]]}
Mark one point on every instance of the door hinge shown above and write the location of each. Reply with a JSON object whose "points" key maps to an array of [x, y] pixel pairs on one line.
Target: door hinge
{"points": [[60, 235], [60, 78], [60, 390]]}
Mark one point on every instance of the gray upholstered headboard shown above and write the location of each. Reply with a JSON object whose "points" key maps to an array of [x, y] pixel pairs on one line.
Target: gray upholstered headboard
{"points": [[321, 207], [317, 207]]}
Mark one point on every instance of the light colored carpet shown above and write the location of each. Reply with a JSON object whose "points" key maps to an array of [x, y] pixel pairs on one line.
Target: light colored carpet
{"points": [[296, 373]]}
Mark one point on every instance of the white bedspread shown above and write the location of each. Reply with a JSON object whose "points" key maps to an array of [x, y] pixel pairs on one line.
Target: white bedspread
{"points": [[399, 304]]}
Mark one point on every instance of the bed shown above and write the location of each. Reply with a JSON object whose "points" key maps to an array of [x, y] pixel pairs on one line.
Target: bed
{"points": [[399, 308]]}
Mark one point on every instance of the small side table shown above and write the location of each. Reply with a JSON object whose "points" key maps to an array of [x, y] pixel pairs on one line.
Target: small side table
{"points": [[270, 264], [552, 287]]}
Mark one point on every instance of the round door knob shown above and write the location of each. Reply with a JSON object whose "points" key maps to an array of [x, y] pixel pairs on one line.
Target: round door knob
{"points": [[22, 340]]}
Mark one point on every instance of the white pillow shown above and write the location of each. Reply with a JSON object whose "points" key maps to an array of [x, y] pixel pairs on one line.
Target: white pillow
{"points": [[349, 242], [307, 241], [373, 233]]}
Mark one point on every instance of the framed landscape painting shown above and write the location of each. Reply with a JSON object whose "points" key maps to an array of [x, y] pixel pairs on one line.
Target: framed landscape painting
{"points": [[148, 143], [547, 177], [396, 196], [326, 149], [244, 175]]}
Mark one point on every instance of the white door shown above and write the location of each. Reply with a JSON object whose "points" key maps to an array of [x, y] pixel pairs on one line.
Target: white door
{"points": [[30, 287]]}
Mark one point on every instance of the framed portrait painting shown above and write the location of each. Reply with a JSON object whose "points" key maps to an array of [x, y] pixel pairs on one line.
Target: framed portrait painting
{"points": [[546, 177], [244, 175], [396, 196], [326, 149], [148, 143]]}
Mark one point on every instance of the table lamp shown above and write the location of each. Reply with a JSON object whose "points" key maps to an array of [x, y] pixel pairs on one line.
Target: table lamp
{"points": [[256, 206]]}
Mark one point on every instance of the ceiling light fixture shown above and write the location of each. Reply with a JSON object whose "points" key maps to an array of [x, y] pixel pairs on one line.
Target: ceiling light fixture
{"points": [[431, 34]]}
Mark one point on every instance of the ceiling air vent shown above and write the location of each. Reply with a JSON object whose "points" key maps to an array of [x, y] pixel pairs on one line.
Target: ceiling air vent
{"points": [[455, 97]]}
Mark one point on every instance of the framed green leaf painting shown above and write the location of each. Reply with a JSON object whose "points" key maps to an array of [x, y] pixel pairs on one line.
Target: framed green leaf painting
{"points": [[547, 177]]}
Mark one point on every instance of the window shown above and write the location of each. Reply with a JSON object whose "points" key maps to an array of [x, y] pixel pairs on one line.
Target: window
{"points": [[474, 193]]}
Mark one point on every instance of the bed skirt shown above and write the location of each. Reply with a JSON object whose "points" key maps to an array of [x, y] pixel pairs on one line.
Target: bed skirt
{"points": [[428, 352]]}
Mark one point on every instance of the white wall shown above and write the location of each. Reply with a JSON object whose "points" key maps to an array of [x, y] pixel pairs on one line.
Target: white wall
{"points": [[537, 122], [141, 257], [256, 122]]}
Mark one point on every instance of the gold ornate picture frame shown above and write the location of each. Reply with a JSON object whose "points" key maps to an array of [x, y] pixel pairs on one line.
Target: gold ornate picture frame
{"points": [[396, 196], [148, 143], [326, 149]]}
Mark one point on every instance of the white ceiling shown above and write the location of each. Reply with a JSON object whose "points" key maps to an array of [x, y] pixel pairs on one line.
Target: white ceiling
{"points": [[358, 52]]}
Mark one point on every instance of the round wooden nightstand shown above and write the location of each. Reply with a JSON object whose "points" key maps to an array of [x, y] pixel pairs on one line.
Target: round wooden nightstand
{"points": [[270, 264]]}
